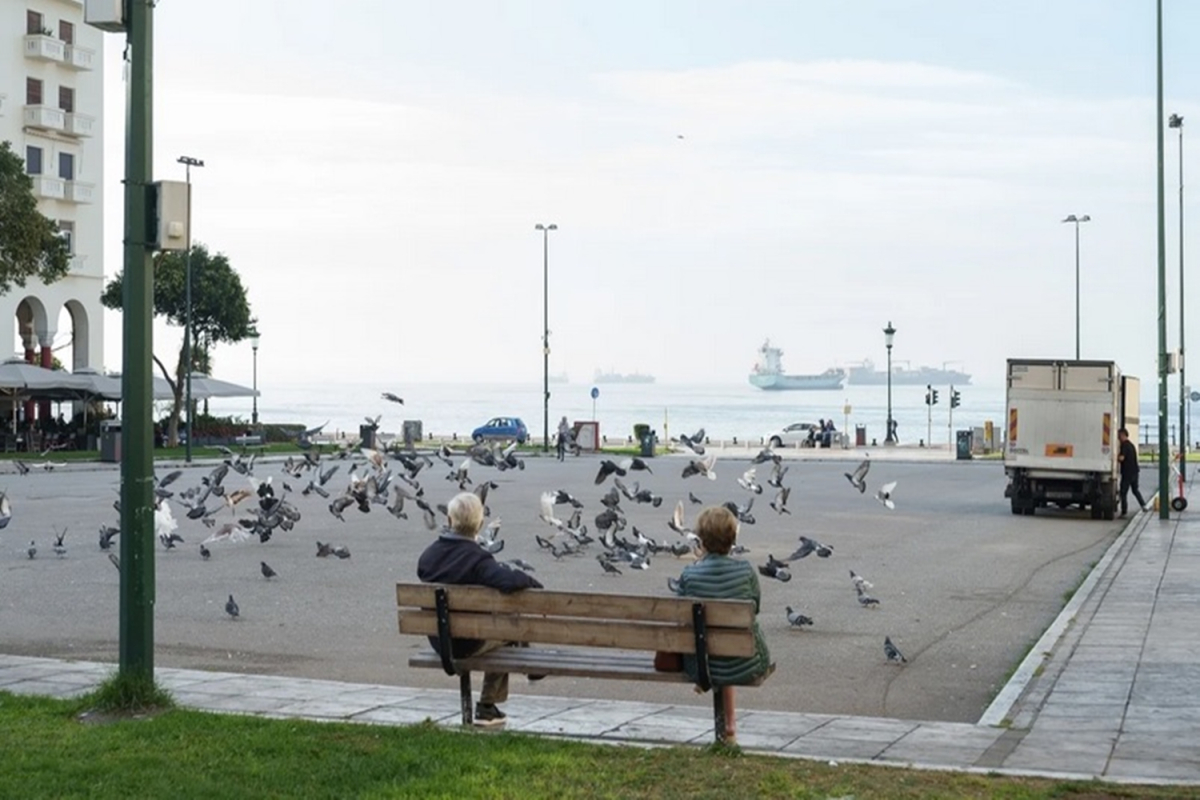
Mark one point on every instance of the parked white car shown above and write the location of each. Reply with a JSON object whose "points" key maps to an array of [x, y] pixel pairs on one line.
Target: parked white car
{"points": [[800, 434]]}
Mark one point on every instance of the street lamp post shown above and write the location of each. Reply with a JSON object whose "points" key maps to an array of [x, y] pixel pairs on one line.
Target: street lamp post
{"points": [[545, 229], [188, 162], [1077, 221], [254, 347], [1176, 121], [889, 333]]}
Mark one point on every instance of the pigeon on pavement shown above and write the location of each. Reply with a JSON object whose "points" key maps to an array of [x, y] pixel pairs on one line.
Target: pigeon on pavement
{"points": [[796, 619], [892, 652], [231, 607]]}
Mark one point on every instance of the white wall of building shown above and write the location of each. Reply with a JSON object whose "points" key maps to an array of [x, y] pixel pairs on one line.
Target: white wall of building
{"points": [[74, 136]]}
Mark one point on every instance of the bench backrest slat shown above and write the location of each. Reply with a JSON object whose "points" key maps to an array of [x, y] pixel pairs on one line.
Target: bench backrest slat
{"points": [[586, 605], [618, 633]]}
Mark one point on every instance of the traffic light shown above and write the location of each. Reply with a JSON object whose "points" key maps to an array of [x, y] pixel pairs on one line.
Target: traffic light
{"points": [[935, 393], [955, 398], [928, 395]]}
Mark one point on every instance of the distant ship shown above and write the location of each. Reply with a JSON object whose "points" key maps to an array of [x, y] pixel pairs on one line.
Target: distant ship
{"points": [[768, 374], [617, 377], [865, 374], [561, 377]]}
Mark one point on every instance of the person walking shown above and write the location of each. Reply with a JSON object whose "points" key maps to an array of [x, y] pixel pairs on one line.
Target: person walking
{"points": [[1127, 460], [564, 436], [456, 558]]}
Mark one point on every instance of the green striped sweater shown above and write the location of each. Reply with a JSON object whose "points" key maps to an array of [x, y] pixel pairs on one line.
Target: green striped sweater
{"points": [[725, 578]]}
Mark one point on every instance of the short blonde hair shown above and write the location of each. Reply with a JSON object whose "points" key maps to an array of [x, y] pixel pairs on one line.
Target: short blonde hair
{"points": [[466, 514], [717, 529]]}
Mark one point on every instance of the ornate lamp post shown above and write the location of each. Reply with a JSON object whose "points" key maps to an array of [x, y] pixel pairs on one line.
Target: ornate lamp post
{"points": [[889, 333], [1077, 220], [254, 347], [1176, 121], [545, 229], [188, 162]]}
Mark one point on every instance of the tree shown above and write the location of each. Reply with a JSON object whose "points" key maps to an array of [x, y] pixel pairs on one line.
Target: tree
{"points": [[220, 311], [30, 244]]}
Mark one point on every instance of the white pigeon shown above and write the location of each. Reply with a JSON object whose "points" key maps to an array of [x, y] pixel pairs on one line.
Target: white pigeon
{"points": [[861, 584], [749, 482], [884, 495], [164, 521], [547, 514], [229, 532]]}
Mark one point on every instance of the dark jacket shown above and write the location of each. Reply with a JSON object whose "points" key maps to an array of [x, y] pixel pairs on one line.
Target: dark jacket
{"points": [[455, 559], [722, 577], [1128, 458]]}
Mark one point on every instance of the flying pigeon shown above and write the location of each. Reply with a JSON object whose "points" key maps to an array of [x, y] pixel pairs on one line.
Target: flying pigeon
{"points": [[520, 564], [106, 535], [884, 495], [777, 473], [635, 465], [5, 510], [231, 607], [779, 504], [60, 549], [775, 569], [609, 567], [796, 619], [892, 652], [694, 500], [607, 468], [809, 546], [858, 477], [267, 572], [701, 467], [749, 482], [695, 442], [393, 398], [765, 455]]}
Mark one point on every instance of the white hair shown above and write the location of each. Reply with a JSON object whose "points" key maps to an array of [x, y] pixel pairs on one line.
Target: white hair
{"points": [[466, 514]]}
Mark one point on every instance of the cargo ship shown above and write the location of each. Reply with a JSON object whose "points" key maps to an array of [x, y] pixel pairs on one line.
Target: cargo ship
{"points": [[865, 374], [768, 374], [617, 377]]}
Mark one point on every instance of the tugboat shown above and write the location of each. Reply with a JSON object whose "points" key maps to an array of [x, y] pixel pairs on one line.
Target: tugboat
{"points": [[768, 374]]}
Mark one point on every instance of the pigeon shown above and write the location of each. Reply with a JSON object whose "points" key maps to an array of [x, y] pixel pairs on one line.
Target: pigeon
{"points": [[796, 619], [31, 551], [116, 560], [676, 522], [701, 467], [884, 495], [779, 504], [765, 455], [341, 551], [169, 540], [205, 553], [22, 467], [694, 500], [392, 398], [231, 607], [809, 546], [267, 572], [520, 564], [228, 532], [775, 569], [892, 652], [742, 512], [608, 468], [749, 482], [5, 510], [777, 473], [695, 442], [324, 550], [860, 583], [609, 567], [865, 600], [60, 549], [304, 439], [635, 465], [673, 585], [858, 477]]}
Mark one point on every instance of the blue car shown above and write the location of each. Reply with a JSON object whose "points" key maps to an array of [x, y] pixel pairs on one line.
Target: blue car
{"points": [[502, 428]]}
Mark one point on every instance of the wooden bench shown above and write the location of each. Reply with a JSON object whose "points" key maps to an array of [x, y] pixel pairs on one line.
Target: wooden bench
{"points": [[612, 637]]}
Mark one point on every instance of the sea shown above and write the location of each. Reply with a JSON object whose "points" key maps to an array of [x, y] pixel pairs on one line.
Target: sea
{"points": [[724, 411]]}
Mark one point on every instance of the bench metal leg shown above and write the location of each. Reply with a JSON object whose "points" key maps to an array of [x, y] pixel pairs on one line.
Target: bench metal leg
{"points": [[464, 690], [724, 715]]}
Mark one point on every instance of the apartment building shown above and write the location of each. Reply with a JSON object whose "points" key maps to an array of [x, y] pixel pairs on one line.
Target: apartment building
{"points": [[51, 100]]}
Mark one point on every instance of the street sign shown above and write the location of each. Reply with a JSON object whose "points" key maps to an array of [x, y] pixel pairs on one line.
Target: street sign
{"points": [[596, 393], [1195, 397]]}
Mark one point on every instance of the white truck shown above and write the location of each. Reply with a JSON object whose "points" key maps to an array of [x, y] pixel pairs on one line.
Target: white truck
{"points": [[1063, 418]]}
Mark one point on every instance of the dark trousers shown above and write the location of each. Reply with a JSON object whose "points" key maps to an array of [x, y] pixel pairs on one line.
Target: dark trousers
{"points": [[1130, 483]]}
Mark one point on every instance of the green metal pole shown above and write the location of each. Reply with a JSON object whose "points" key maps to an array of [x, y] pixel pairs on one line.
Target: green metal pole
{"points": [[1164, 463], [1183, 431], [137, 440]]}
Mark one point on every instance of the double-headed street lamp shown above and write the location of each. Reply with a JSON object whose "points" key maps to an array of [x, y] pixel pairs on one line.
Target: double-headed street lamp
{"points": [[545, 229], [1077, 221], [254, 347], [1176, 121], [188, 163], [889, 333]]}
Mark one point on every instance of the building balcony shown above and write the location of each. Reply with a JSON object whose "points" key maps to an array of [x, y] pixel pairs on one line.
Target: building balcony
{"points": [[48, 187], [79, 125], [45, 117], [41, 47], [81, 58], [79, 192]]}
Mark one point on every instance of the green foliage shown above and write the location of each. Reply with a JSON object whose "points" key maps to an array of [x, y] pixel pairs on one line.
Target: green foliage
{"points": [[30, 246], [184, 754], [122, 692]]}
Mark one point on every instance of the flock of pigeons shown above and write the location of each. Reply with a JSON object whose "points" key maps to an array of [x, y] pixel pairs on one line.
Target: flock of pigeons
{"points": [[235, 505]]}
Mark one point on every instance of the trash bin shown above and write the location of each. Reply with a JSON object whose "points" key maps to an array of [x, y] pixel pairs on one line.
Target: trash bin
{"points": [[412, 432], [860, 435], [110, 440], [366, 434], [964, 445], [648, 444]]}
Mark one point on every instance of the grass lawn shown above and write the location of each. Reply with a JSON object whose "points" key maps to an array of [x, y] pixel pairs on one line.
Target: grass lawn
{"points": [[46, 752]]}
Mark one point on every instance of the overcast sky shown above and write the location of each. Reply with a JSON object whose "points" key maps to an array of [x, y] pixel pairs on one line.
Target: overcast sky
{"points": [[720, 173]]}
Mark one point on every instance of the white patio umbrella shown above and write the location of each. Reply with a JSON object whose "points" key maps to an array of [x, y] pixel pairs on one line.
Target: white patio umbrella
{"points": [[19, 379], [204, 388]]}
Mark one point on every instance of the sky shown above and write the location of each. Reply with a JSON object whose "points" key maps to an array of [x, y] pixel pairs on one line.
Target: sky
{"points": [[719, 173]]}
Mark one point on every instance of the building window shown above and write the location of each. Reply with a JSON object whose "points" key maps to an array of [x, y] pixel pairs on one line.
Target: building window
{"points": [[33, 92], [33, 160], [33, 22], [66, 31], [66, 166], [66, 99], [66, 229]]}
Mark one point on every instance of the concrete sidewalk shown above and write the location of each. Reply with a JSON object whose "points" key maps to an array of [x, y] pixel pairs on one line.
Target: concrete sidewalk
{"points": [[1112, 691]]}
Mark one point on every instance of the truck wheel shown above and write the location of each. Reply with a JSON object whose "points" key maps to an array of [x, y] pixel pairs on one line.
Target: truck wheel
{"points": [[1179, 503]]}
